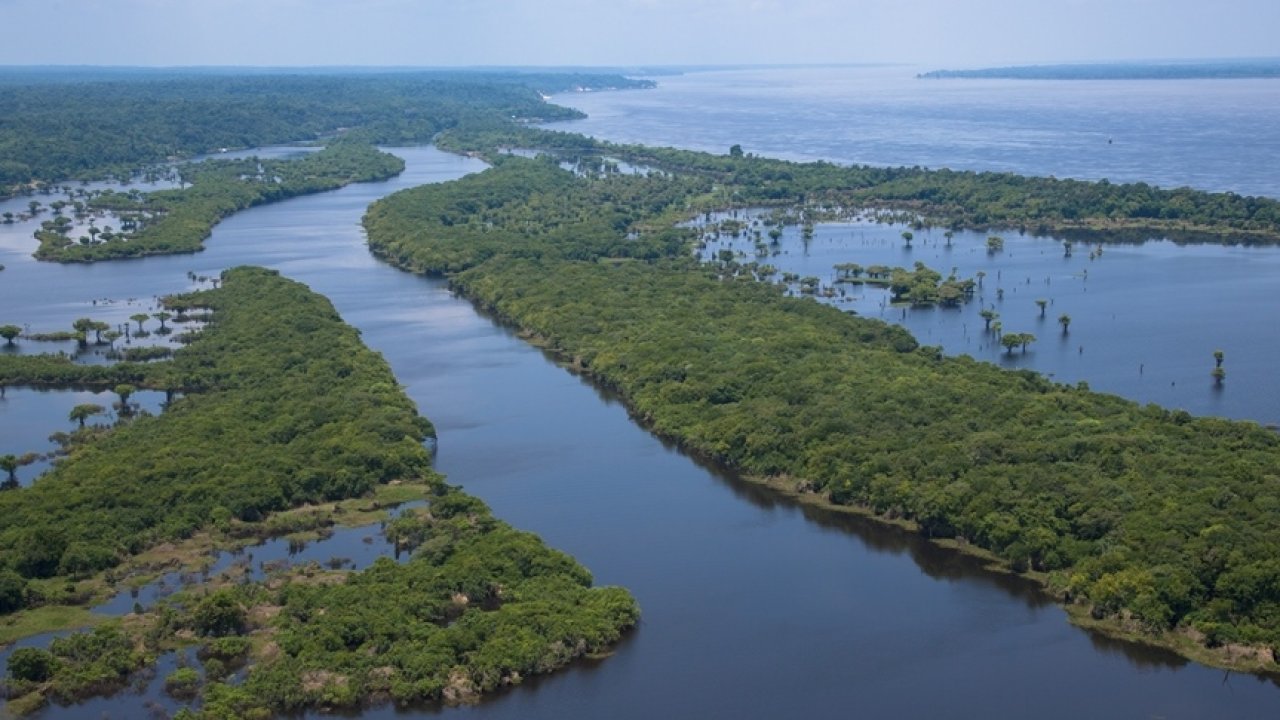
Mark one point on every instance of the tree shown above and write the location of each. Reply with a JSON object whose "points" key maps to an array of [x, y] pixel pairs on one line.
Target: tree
{"points": [[9, 332], [140, 318], [1067, 246], [988, 315], [1042, 304], [125, 391], [735, 151], [13, 591], [99, 327], [85, 411], [218, 614], [908, 236], [1011, 341], [9, 464], [995, 244], [948, 235], [82, 326], [32, 665], [1026, 339], [1064, 320], [162, 316]]}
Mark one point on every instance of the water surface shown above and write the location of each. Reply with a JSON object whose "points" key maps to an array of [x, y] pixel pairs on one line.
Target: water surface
{"points": [[753, 607]]}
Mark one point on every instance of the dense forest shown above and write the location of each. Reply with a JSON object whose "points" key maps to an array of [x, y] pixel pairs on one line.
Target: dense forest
{"points": [[1157, 521], [179, 220], [1098, 211], [248, 435], [54, 128]]}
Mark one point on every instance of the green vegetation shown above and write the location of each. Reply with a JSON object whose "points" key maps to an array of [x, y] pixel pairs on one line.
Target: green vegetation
{"points": [[249, 381], [1153, 519], [478, 606], [175, 221], [1095, 211], [91, 126]]}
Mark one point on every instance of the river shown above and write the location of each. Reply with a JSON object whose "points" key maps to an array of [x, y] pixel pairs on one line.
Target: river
{"points": [[753, 607]]}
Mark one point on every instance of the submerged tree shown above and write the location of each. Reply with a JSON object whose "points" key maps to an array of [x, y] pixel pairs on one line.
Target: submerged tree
{"points": [[1065, 321], [1218, 375], [9, 464], [1042, 304], [988, 315], [995, 244], [125, 391], [85, 411], [9, 332], [1218, 356], [140, 318]]}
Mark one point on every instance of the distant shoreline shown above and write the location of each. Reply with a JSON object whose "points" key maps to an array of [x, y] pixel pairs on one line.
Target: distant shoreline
{"points": [[1210, 70]]}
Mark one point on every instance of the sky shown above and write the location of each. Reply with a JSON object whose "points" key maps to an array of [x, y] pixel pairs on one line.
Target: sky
{"points": [[934, 33]]}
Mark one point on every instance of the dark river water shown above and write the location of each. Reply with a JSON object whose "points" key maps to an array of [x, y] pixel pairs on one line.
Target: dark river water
{"points": [[753, 607]]}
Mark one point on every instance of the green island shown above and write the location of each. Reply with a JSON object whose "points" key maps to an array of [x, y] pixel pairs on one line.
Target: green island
{"points": [[178, 221], [119, 122], [1146, 523], [479, 605], [1073, 209]]}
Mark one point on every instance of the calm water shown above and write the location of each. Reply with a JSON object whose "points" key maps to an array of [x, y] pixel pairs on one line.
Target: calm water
{"points": [[1208, 134], [1145, 319], [752, 607]]}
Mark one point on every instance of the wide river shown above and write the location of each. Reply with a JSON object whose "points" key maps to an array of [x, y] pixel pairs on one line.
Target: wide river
{"points": [[753, 607]]}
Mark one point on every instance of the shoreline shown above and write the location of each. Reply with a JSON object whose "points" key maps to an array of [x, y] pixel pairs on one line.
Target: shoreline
{"points": [[1235, 658]]}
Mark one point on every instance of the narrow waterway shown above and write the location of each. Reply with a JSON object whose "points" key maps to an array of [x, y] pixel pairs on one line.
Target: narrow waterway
{"points": [[753, 607]]}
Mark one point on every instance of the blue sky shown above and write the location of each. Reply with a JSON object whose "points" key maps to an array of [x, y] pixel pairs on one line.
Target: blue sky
{"points": [[950, 33]]}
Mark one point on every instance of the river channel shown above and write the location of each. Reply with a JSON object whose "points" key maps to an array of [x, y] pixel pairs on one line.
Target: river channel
{"points": [[752, 606]]}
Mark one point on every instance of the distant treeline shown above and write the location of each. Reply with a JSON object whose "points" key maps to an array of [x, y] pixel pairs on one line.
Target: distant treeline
{"points": [[1156, 520], [949, 198], [53, 129], [1220, 70]]}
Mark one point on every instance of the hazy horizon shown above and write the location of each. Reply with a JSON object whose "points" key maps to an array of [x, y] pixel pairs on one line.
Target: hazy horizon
{"points": [[629, 33]]}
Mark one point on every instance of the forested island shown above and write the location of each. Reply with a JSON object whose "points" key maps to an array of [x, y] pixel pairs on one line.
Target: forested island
{"points": [[1098, 211], [247, 448], [1146, 522], [1203, 70], [118, 123], [177, 221]]}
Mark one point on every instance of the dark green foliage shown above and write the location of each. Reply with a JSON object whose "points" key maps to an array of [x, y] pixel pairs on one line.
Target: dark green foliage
{"points": [[54, 128], [218, 614], [470, 220], [32, 665], [1094, 210], [283, 406], [1151, 514], [13, 591], [180, 220], [479, 606]]}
